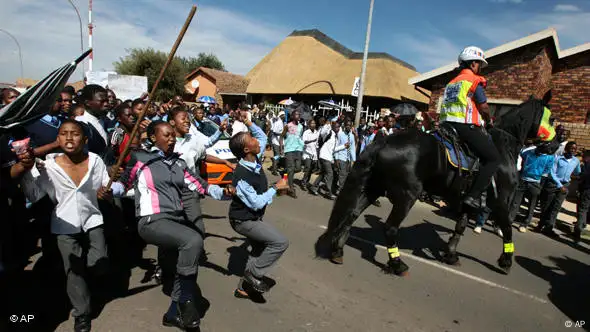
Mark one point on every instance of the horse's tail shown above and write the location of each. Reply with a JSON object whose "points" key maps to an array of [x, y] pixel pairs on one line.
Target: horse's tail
{"points": [[345, 209]]}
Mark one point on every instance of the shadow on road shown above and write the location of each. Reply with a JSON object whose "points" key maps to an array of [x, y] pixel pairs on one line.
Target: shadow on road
{"points": [[423, 239], [570, 286]]}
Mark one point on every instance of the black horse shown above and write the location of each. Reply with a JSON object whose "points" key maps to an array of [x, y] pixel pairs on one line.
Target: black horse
{"points": [[411, 162]]}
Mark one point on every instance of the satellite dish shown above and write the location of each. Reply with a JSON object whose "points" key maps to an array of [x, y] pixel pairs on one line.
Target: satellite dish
{"points": [[195, 84]]}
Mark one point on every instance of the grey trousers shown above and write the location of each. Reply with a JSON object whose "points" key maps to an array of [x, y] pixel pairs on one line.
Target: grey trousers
{"points": [[342, 169], [293, 162], [326, 175], [268, 245], [174, 232], [192, 208], [76, 262], [276, 151]]}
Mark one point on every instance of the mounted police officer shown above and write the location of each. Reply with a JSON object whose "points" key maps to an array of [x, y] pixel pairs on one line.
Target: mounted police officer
{"points": [[465, 108]]}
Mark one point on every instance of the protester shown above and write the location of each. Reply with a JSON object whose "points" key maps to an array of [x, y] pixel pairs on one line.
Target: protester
{"points": [[246, 212], [326, 157], [345, 158], [583, 198], [368, 138], [276, 130], [310, 152], [43, 132], [292, 145], [8, 96], [75, 179], [161, 174], [238, 126], [94, 99], [557, 188]]}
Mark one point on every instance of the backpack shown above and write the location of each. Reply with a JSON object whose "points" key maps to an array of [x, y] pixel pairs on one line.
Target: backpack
{"points": [[321, 140]]}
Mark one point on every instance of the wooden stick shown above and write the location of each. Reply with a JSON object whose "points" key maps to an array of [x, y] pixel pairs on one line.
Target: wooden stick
{"points": [[152, 93]]}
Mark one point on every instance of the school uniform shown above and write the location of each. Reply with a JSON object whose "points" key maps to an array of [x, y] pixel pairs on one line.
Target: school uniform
{"points": [[326, 159], [310, 153], [344, 158], [246, 213], [77, 220], [560, 177], [293, 147]]}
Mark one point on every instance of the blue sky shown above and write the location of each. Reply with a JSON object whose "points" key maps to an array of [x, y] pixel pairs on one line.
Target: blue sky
{"points": [[426, 34]]}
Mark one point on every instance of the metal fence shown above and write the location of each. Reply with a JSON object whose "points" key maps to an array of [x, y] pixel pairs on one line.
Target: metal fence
{"points": [[321, 110]]}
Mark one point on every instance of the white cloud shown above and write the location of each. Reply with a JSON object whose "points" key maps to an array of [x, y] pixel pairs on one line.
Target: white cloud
{"points": [[49, 34], [566, 8], [428, 52]]}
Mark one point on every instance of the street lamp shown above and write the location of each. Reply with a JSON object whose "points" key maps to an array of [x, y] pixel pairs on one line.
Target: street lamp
{"points": [[81, 35], [20, 55], [359, 102]]}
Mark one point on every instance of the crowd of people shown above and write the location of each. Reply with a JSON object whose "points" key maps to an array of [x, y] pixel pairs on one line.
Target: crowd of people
{"points": [[60, 173]]}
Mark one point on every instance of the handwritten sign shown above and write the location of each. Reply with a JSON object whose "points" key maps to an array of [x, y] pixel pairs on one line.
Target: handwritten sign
{"points": [[356, 87], [127, 86], [98, 77]]}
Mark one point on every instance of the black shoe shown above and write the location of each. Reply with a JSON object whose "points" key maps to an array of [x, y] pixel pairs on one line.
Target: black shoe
{"points": [[189, 315], [577, 236], [550, 232], [472, 202], [172, 322], [82, 324], [331, 197], [257, 284], [377, 203], [292, 193], [313, 190]]}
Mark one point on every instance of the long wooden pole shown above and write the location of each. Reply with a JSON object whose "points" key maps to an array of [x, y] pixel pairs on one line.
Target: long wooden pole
{"points": [[152, 93]]}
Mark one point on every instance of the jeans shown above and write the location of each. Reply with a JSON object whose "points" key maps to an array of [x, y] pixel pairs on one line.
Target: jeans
{"points": [[554, 198], [293, 161], [534, 189], [308, 166], [481, 144], [482, 217], [268, 245], [583, 205]]}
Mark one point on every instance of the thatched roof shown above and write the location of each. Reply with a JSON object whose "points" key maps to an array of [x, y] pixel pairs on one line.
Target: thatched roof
{"points": [[227, 83], [309, 62]]}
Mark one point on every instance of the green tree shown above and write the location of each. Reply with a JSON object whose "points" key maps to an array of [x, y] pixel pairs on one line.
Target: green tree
{"points": [[148, 62], [202, 60]]}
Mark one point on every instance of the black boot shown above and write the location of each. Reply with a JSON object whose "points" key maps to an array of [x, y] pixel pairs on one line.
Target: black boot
{"points": [[189, 315], [172, 321], [82, 324], [258, 284]]}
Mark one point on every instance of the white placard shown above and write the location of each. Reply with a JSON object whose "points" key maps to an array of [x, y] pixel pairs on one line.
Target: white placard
{"points": [[98, 77], [128, 86], [356, 87]]}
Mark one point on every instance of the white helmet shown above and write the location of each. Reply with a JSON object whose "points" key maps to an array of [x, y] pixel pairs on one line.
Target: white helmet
{"points": [[473, 53]]}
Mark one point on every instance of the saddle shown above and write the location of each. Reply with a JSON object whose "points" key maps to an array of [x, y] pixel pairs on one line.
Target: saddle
{"points": [[458, 153]]}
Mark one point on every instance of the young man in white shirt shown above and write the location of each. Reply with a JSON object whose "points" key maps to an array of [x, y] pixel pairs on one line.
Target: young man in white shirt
{"points": [[326, 158], [276, 130], [310, 152], [75, 180]]}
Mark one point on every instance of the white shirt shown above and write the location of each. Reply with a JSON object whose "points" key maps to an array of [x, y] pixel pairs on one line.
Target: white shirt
{"points": [[191, 149], [311, 149], [76, 206], [329, 148], [276, 129], [325, 130], [561, 150], [92, 120], [239, 126]]}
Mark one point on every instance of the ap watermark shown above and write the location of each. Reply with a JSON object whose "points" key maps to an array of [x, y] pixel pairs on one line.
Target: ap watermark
{"points": [[22, 318], [575, 323]]}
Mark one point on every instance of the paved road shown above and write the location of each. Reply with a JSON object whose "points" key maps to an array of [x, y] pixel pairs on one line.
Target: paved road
{"points": [[548, 285]]}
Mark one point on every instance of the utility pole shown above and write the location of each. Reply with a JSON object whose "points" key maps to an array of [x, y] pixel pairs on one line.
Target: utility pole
{"points": [[81, 34], [90, 27], [359, 103], [20, 55]]}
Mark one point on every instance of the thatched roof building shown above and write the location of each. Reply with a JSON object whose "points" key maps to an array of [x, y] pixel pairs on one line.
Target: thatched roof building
{"points": [[310, 63]]}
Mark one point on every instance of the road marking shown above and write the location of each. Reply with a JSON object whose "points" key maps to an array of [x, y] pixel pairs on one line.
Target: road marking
{"points": [[451, 270]]}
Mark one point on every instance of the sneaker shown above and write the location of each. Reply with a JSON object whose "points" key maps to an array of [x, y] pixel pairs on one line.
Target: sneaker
{"points": [[522, 229], [477, 230], [498, 231]]}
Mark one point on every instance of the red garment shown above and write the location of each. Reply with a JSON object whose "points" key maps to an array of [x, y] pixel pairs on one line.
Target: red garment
{"points": [[121, 148]]}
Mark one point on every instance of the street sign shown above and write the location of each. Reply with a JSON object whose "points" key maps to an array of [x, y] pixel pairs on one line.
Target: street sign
{"points": [[356, 88]]}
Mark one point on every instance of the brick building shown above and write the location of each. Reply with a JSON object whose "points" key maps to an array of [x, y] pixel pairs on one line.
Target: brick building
{"points": [[530, 66]]}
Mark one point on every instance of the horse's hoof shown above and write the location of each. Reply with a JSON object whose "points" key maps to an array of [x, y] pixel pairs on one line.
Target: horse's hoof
{"points": [[398, 267], [337, 260], [451, 259], [505, 262]]}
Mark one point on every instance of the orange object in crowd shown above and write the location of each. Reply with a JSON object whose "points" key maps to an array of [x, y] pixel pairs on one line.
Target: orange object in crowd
{"points": [[216, 173]]}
